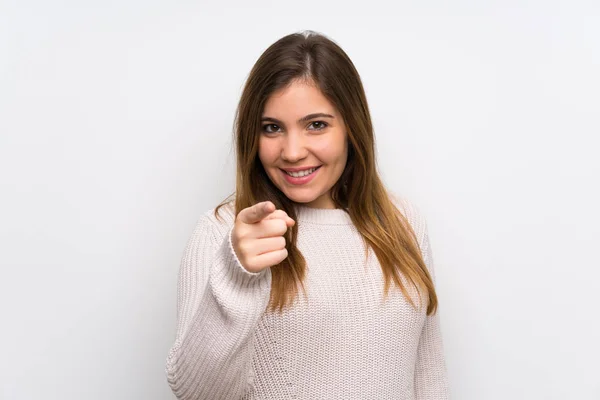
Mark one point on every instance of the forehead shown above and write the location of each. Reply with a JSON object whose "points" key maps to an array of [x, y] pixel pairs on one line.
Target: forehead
{"points": [[297, 99]]}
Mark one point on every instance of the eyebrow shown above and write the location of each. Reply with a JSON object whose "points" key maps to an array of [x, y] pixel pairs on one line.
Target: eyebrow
{"points": [[306, 118]]}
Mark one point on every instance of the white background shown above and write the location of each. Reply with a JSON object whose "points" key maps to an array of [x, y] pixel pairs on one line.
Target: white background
{"points": [[115, 135]]}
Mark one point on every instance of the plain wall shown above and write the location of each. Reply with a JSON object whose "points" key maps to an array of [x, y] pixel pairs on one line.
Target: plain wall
{"points": [[115, 135]]}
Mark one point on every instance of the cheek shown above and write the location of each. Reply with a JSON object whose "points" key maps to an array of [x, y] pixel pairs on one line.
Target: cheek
{"points": [[262, 152], [267, 153], [332, 151], [345, 151]]}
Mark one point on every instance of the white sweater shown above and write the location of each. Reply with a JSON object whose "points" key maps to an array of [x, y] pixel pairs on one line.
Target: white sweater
{"points": [[342, 342]]}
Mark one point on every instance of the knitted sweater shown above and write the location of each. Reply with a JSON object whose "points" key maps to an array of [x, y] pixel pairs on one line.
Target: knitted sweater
{"points": [[342, 341]]}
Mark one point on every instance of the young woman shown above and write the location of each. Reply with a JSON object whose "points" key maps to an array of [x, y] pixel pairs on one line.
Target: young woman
{"points": [[314, 282]]}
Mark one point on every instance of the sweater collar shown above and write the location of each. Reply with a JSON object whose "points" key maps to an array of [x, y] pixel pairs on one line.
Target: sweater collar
{"points": [[322, 216]]}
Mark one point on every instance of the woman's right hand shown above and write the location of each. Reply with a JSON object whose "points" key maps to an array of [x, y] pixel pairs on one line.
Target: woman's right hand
{"points": [[258, 236]]}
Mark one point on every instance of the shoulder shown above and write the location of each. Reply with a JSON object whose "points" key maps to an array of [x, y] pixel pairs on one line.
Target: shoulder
{"points": [[226, 214], [412, 212], [418, 223], [217, 226]]}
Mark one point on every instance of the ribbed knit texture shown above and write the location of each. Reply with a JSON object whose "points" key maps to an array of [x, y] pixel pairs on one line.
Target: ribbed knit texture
{"points": [[341, 342]]}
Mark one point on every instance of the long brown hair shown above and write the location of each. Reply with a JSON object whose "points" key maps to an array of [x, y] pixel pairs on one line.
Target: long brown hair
{"points": [[314, 58]]}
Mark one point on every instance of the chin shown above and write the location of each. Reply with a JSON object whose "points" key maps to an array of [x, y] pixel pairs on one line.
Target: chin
{"points": [[301, 198]]}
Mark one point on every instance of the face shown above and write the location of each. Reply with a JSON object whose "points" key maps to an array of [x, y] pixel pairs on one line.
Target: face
{"points": [[303, 144]]}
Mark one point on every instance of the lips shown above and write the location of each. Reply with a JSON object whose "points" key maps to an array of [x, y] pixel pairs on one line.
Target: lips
{"points": [[297, 169], [302, 173], [300, 180]]}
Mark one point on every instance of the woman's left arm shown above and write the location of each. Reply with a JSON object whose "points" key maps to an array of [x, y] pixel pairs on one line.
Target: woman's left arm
{"points": [[431, 377]]}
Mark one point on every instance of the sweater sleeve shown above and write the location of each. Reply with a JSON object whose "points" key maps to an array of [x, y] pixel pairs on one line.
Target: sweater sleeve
{"points": [[219, 304], [431, 380]]}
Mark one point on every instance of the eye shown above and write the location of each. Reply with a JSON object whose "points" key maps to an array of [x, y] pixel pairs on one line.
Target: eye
{"points": [[270, 128], [318, 125]]}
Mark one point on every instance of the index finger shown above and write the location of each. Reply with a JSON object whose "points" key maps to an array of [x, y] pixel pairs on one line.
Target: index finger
{"points": [[256, 213]]}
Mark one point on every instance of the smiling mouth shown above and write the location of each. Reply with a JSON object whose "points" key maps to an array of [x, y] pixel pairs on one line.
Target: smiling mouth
{"points": [[300, 174]]}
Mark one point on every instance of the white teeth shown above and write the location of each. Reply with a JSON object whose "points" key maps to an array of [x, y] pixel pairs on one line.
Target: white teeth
{"points": [[300, 174]]}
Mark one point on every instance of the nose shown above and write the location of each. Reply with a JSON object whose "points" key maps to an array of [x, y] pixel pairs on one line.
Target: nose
{"points": [[293, 147]]}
